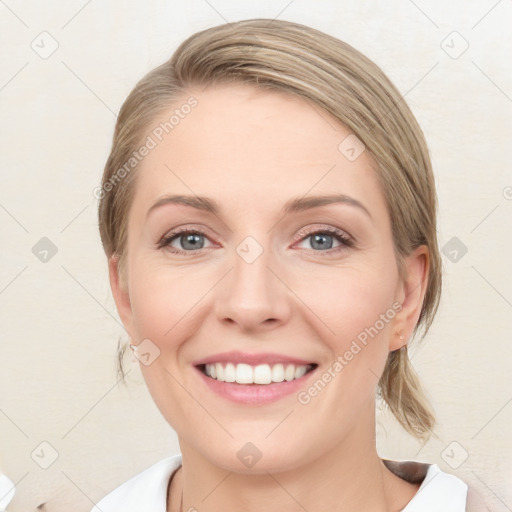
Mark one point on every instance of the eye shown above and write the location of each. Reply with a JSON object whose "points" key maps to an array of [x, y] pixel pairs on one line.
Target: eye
{"points": [[188, 241], [322, 240]]}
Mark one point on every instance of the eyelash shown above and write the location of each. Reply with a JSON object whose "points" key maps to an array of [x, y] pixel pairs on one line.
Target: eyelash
{"points": [[339, 235]]}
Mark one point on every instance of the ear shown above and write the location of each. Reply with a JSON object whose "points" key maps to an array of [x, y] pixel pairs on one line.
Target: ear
{"points": [[411, 292], [120, 293]]}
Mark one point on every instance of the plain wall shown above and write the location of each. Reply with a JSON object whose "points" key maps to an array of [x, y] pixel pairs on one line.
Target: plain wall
{"points": [[59, 327]]}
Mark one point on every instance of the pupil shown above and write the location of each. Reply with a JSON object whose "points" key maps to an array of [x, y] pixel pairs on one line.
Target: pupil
{"points": [[320, 240], [192, 239]]}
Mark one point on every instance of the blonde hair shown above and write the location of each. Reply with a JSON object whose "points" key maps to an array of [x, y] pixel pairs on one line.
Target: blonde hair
{"points": [[331, 74]]}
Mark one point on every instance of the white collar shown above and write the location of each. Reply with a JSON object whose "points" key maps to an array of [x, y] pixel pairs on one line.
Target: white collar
{"points": [[148, 490]]}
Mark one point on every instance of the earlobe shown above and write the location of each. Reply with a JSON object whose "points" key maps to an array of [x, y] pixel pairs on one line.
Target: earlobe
{"points": [[120, 293], [412, 293], [398, 339]]}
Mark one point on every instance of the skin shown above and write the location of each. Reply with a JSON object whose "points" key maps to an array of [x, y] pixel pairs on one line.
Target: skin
{"points": [[252, 151]]}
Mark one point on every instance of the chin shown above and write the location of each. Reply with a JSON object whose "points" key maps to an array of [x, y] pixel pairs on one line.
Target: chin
{"points": [[259, 457]]}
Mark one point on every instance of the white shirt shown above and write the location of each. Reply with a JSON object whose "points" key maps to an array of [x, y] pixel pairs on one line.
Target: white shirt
{"points": [[6, 492], [439, 491]]}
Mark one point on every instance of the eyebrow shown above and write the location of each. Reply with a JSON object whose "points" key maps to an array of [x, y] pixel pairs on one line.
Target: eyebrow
{"points": [[295, 205]]}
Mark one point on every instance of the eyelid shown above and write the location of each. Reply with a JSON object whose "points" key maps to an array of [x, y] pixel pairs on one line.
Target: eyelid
{"points": [[345, 239], [323, 228], [174, 233]]}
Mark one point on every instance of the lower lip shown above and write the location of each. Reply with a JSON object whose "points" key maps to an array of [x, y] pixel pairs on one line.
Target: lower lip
{"points": [[255, 394]]}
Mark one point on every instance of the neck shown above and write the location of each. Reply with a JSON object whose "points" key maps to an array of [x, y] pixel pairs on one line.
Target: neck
{"points": [[347, 477]]}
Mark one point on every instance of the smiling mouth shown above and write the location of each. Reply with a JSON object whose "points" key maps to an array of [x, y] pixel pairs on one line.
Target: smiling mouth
{"points": [[260, 374]]}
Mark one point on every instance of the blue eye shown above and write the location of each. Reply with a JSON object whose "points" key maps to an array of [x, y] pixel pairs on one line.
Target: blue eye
{"points": [[189, 241], [322, 240], [193, 241]]}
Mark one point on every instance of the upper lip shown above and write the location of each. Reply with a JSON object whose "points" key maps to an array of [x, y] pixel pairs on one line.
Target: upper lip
{"points": [[238, 357]]}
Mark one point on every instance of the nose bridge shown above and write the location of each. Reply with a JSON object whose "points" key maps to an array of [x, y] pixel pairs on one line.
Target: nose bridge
{"points": [[253, 294]]}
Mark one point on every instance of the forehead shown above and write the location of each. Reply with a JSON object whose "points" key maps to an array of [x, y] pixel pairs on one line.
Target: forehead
{"points": [[244, 145]]}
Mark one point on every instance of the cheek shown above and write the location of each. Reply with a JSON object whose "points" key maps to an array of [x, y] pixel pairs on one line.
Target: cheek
{"points": [[353, 307], [357, 309], [165, 304], [349, 299], [345, 299], [163, 298]]}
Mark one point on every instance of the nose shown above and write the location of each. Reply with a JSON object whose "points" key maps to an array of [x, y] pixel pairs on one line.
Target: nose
{"points": [[253, 295]]}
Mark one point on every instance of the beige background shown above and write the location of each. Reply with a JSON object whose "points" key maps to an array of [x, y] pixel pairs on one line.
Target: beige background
{"points": [[59, 328]]}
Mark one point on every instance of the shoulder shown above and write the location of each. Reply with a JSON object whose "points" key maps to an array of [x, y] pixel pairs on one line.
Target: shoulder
{"points": [[146, 490], [438, 490]]}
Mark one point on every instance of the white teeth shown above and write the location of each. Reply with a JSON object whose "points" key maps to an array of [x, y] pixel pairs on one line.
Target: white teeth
{"points": [[300, 371], [219, 371], [289, 373], [244, 374], [260, 374], [230, 373], [277, 373]]}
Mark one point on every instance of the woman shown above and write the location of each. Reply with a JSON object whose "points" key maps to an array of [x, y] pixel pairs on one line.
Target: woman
{"points": [[268, 211]]}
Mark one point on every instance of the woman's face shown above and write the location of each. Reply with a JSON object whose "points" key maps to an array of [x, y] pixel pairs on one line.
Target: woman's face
{"points": [[272, 283]]}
